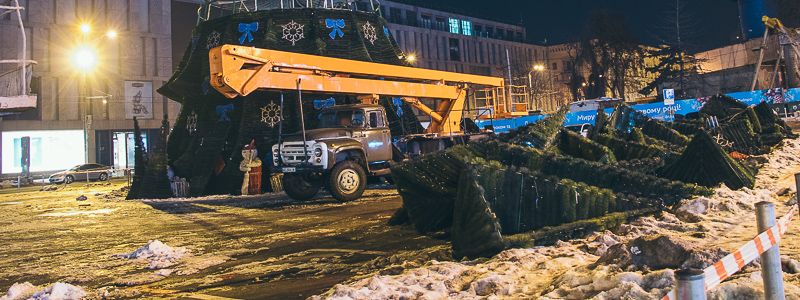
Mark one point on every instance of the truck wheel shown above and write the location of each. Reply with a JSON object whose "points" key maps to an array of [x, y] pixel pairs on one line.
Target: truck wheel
{"points": [[347, 181], [299, 187]]}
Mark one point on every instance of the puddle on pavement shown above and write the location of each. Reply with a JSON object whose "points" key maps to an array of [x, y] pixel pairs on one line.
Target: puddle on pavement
{"points": [[78, 213]]}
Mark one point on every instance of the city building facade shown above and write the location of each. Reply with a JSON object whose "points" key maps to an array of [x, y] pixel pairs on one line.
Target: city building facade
{"points": [[99, 64], [459, 43]]}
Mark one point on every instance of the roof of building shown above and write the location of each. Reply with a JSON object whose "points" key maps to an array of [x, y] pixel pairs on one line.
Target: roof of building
{"points": [[436, 5]]}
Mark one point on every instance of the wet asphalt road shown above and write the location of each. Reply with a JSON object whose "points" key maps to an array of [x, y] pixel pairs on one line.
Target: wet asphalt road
{"points": [[264, 247]]}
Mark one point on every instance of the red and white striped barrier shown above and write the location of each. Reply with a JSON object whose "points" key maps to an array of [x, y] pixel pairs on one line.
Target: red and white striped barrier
{"points": [[735, 261]]}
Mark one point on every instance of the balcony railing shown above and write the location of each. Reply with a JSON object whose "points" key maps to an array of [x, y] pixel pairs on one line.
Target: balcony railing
{"points": [[15, 84]]}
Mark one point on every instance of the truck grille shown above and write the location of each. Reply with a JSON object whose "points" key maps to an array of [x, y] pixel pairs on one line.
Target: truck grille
{"points": [[294, 153]]}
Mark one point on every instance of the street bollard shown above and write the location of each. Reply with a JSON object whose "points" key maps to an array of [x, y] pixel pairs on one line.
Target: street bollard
{"points": [[690, 284], [771, 259], [797, 189]]}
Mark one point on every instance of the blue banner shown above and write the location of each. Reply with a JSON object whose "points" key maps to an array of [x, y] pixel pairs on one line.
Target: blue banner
{"points": [[655, 110]]}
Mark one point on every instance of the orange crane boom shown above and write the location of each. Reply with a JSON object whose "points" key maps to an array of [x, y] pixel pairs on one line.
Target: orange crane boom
{"points": [[239, 71]]}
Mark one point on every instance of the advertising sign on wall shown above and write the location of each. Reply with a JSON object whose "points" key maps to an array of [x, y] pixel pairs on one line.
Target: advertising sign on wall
{"points": [[138, 99], [669, 96], [47, 150]]}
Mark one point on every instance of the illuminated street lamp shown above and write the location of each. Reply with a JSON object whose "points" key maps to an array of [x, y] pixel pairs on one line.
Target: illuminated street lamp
{"points": [[84, 59], [86, 28], [111, 34], [540, 69], [411, 58], [536, 68]]}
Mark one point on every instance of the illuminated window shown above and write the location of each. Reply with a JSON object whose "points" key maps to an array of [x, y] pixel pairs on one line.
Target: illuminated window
{"points": [[466, 27], [455, 26], [51, 150]]}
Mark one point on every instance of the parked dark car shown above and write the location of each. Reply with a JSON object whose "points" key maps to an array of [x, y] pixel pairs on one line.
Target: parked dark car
{"points": [[79, 173]]}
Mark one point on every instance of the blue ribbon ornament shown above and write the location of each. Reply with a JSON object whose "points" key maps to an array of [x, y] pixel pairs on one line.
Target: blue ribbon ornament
{"points": [[247, 30], [336, 25]]}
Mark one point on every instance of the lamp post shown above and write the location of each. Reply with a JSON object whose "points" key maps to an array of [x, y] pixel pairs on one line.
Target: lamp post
{"points": [[84, 60], [540, 69]]}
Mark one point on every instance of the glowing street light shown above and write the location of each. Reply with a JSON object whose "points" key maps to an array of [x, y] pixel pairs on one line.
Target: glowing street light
{"points": [[84, 59], [411, 58], [538, 68], [86, 28], [111, 34]]}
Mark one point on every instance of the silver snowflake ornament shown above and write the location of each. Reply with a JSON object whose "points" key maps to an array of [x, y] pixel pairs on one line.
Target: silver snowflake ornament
{"points": [[213, 40], [722, 141], [271, 114], [369, 33], [293, 32]]}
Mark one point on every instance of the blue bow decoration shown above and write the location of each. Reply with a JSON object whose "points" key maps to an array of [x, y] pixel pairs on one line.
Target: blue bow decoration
{"points": [[386, 31], [398, 105], [325, 103], [336, 25], [222, 112], [247, 30]]}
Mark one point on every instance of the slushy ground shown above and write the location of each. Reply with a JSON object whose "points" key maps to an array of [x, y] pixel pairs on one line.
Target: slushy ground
{"points": [[241, 247]]}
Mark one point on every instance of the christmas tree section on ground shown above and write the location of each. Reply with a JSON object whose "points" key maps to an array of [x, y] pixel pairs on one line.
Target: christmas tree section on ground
{"points": [[542, 183]]}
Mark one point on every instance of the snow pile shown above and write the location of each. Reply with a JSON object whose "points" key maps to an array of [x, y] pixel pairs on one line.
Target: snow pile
{"points": [[19, 291], [608, 282], [157, 254], [56, 291], [693, 210], [60, 291], [701, 228], [512, 273]]}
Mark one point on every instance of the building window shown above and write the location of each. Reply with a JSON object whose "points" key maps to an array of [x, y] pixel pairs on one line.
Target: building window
{"points": [[398, 38], [455, 50], [411, 18], [395, 15], [441, 24], [466, 27], [455, 27], [520, 38], [555, 66], [489, 32], [426, 21]]}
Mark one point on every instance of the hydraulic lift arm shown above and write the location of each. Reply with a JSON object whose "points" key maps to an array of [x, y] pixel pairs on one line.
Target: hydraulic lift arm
{"points": [[239, 71]]}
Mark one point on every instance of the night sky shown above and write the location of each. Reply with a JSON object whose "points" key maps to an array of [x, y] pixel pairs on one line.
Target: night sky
{"points": [[706, 24]]}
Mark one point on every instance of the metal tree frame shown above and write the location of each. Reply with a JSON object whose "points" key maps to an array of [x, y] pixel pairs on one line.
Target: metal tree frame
{"points": [[12, 90]]}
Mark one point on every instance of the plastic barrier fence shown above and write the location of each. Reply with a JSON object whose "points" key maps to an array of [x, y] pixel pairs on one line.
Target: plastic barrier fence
{"points": [[735, 261]]}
